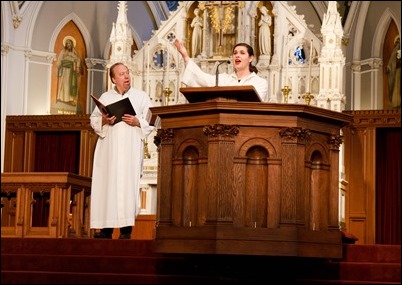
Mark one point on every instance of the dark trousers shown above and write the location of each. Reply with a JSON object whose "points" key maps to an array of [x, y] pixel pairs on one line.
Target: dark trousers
{"points": [[126, 230], [123, 231]]}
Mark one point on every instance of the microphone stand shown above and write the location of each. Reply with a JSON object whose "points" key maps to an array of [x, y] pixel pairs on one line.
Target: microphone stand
{"points": [[217, 71]]}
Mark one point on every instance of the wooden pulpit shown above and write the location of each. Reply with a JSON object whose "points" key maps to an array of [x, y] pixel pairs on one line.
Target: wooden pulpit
{"points": [[246, 177]]}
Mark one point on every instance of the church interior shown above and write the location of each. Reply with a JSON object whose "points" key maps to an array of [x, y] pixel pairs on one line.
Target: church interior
{"points": [[310, 173]]}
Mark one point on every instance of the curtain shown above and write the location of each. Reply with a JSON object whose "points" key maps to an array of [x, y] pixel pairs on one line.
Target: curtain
{"points": [[388, 186], [54, 152], [57, 151]]}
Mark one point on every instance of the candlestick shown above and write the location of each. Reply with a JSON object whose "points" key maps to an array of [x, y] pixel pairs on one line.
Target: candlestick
{"points": [[166, 93], [146, 150], [308, 97], [286, 90], [310, 59]]}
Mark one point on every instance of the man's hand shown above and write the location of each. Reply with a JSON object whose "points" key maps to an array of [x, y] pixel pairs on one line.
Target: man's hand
{"points": [[131, 120]]}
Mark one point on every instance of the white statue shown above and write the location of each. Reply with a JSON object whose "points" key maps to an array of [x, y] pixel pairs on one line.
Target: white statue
{"points": [[264, 38], [196, 24]]}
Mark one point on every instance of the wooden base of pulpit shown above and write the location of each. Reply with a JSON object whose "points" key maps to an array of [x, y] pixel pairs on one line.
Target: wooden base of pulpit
{"points": [[238, 177], [289, 241]]}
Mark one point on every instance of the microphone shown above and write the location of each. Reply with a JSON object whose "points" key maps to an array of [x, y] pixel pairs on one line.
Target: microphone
{"points": [[217, 71]]}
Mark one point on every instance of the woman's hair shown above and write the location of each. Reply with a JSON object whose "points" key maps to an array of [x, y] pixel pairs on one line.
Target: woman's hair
{"points": [[250, 52]]}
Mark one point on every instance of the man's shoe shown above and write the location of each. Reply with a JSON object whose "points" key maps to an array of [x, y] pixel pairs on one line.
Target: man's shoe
{"points": [[102, 235], [125, 236], [125, 232]]}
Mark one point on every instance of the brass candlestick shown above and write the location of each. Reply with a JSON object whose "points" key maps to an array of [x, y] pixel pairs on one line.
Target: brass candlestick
{"points": [[219, 52], [166, 93], [146, 150], [307, 97], [286, 90]]}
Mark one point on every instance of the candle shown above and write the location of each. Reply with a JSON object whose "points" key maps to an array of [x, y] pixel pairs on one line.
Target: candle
{"points": [[310, 59], [167, 65], [287, 60], [148, 66]]}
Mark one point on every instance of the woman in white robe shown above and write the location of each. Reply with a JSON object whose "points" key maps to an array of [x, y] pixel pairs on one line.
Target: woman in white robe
{"points": [[245, 72], [118, 157]]}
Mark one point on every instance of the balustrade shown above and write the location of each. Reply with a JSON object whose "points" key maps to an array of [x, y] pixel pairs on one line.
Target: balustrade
{"points": [[45, 204]]}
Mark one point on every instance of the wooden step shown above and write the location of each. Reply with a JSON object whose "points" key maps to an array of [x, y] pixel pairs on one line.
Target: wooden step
{"points": [[372, 253], [97, 261]]}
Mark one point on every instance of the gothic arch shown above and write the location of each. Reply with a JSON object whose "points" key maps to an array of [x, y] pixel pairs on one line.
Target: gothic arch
{"points": [[5, 16], [381, 31], [361, 20], [81, 27], [60, 74], [382, 45]]}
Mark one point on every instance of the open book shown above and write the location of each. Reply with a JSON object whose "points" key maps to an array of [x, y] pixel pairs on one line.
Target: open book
{"points": [[117, 109]]}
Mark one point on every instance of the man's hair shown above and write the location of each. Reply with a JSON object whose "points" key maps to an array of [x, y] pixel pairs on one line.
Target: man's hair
{"points": [[111, 70]]}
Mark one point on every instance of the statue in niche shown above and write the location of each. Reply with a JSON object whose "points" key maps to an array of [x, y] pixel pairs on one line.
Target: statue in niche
{"points": [[196, 39], [394, 74], [264, 38], [69, 71], [299, 54]]}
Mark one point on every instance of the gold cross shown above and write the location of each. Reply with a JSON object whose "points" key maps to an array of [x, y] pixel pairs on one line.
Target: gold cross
{"points": [[222, 15]]}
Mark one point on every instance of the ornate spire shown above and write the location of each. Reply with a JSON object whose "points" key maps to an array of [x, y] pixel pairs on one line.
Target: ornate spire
{"points": [[121, 36], [332, 61], [332, 20]]}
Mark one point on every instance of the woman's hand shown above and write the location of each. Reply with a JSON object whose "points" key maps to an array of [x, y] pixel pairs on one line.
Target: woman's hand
{"points": [[181, 49]]}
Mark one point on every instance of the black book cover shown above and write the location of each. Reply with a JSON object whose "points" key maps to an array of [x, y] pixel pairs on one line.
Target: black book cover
{"points": [[117, 109]]}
